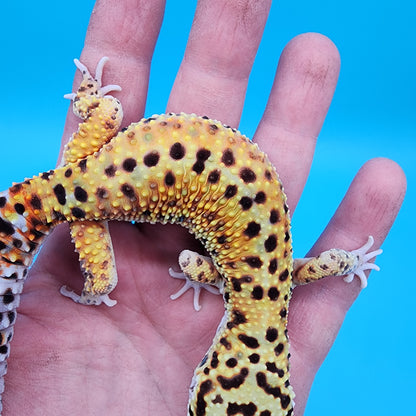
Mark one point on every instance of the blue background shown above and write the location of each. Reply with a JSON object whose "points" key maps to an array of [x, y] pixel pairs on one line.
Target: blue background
{"points": [[371, 369]]}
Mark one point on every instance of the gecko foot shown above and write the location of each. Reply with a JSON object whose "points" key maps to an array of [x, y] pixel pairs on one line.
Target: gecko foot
{"points": [[189, 284], [101, 91], [363, 264], [87, 300]]}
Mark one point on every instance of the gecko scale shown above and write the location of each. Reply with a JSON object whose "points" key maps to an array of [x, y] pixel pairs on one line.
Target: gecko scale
{"points": [[205, 176]]}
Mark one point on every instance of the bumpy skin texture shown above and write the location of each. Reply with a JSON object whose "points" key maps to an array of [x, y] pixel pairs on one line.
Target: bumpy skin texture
{"points": [[207, 177]]}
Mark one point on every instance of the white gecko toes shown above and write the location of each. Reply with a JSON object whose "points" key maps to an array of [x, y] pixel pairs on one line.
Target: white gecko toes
{"points": [[363, 262], [189, 284], [87, 300]]}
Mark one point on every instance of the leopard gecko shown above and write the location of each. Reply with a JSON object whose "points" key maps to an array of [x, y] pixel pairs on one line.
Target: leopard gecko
{"points": [[207, 177]]}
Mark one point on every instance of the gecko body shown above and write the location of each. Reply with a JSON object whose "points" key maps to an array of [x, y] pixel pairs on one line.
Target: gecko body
{"points": [[192, 171]]}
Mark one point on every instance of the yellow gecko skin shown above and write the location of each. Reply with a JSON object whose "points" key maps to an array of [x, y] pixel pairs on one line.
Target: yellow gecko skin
{"points": [[209, 178]]}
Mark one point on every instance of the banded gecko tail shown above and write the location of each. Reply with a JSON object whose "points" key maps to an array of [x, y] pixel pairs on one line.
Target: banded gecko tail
{"points": [[20, 236]]}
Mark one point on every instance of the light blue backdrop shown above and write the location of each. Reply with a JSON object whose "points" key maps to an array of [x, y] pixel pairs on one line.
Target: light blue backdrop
{"points": [[371, 369]]}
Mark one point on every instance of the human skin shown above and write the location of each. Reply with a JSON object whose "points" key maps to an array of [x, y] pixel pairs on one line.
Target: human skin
{"points": [[138, 357]]}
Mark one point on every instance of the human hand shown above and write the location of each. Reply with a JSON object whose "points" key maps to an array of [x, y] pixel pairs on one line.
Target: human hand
{"points": [[139, 357]]}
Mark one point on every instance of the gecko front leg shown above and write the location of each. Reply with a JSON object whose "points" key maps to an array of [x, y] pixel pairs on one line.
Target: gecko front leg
{"points": [[336, 262], [102, 115]]}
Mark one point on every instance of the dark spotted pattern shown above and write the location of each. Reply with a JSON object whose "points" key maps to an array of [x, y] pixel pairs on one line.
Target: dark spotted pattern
{"points": [[252, 230], [247, 175], [231, 204], [202, 156], [60, 194], [170, 179], [235, 381], [177, 151], [230, 191], [246, 203], [150, 160], [110, 171], [228, 157], [80, 194]]}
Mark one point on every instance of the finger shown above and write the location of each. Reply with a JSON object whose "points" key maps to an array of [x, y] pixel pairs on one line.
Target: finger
{"points": [[318, 310], [299, 100], [126, 31], [223, 42]]}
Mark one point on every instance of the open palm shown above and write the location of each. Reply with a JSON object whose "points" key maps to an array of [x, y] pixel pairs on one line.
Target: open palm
{"points": [[137, 358]]}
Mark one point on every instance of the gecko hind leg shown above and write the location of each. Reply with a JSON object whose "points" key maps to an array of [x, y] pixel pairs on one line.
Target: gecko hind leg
{"points": [[199, 273], [336, 262]]}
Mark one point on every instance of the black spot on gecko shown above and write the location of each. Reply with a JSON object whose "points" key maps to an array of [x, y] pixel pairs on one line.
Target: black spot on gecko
{"points": [[237, 319], [80, 194], [227, 344], [221, 239], [247, 175], [272, 368], [260, 198], [284, 275], [101, 193], [279, 349], [228, 157], [246, 203], [265, 413], [234, 382], [17, 243], [3, 201], [271, 243], [201, 404], [263, 384], [68, 173], [83, 165], [60, 193], [254, 358], [236, 282], [271, 334], [214, 360], [45, 175], [129, 164], [230, 191], [268, 175], [78, 212], [177, 151], [273, 293], [252, 230], [253, 261], [201, 156], [110, 171], [170, 179], [212, 128], [274, 216], [128, 191], [8, 297], [36, 202], [257, 292], [273, 266], [15, 188], [231, 362], [19, 208], [218, 399], [245, 409], [214, 176], [250, 342]]}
